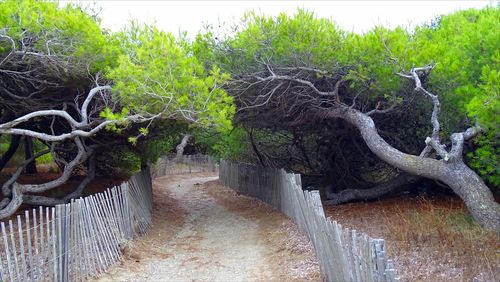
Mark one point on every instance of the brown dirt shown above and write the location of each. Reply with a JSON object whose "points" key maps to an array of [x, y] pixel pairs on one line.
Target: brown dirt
{"points": [[289, 249], [429, 240], [168, 218], [204, 231]]}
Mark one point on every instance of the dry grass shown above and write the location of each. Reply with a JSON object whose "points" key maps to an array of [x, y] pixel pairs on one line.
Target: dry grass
{"points": [[430, 240]]}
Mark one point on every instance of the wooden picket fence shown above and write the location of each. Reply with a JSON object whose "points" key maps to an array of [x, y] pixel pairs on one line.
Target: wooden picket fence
{"points": [[343, 254], [187, 164], [78, 240]]}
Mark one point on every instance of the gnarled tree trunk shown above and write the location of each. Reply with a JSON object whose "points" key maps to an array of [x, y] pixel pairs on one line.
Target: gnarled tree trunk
{"points": [[372, 193], [296, 96], [181, 146], [453, 172]]}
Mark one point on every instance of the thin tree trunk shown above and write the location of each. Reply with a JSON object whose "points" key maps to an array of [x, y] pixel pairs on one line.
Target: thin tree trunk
{"points": [[13, 146], [181, 146], [78, 192], [28, 154], [254, 147]]}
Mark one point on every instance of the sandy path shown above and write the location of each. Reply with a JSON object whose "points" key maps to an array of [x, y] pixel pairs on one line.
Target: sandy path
{"points": [[211, 243]]}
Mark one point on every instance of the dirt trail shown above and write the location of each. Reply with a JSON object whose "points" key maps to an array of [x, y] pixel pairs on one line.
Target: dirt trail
{"points": [[205, 232]]}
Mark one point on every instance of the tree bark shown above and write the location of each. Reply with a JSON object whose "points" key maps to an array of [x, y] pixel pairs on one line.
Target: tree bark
{"points": [[76, 129], [48, 201], [13, 146], [372, 193], [28, 154], [453, 172], [254, 147], [181, 146]]}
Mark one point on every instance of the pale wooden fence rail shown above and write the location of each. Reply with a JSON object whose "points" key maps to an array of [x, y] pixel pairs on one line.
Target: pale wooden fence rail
{"points": [[343, 254], [78, 240], [187, 164]]}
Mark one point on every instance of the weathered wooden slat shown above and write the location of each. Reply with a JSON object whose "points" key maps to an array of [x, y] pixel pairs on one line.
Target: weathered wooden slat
{"points": [[34, 264], [95, 240], [111, 245], [86, 242], [7, 252], [67, 242], [29, 244], [41, 242], [22, 253], [78, 240], [14, 251], [59, 242], [3, 275], [53, 240]]}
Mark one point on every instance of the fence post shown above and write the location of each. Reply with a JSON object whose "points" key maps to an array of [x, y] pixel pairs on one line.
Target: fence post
{"points": [[316, 200]]}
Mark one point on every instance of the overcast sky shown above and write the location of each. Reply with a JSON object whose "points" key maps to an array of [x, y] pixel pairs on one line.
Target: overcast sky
{"points": [[358, 16]]}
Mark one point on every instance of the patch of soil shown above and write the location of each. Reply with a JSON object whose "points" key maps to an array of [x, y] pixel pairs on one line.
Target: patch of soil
{"points": [[168, 217], [289, 249], [209, 233], [429, 240]]}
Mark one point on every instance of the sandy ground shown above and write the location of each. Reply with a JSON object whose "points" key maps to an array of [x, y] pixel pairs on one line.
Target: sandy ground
{"points": [[203, 231]]}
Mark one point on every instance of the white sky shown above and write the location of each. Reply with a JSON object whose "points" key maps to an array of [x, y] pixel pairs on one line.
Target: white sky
{"points": [[190, 16]]}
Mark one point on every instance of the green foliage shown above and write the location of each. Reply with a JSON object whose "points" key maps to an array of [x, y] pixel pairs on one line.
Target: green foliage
{"points": [[370, 59], [58, 31], [44, 159], [122, 161], [375, 57], [464, 45], [154, 72], [299, 39], [119, 117], [159, 74], [4, 143], [153, 148], [226, 145]]}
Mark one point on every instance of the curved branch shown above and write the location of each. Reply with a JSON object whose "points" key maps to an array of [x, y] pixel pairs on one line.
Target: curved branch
{"points": [[6, 188], [12, 46], [333, 93], [81, 187], [92, 93], [372, 193], [81, 156], [12, 206], [48, 201], [434, 141], [11, 124], [181, 146]]}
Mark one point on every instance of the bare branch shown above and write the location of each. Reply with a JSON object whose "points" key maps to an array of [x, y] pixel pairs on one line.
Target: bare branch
{"points": [[92, 93], [377, 111], [13, 48]]}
